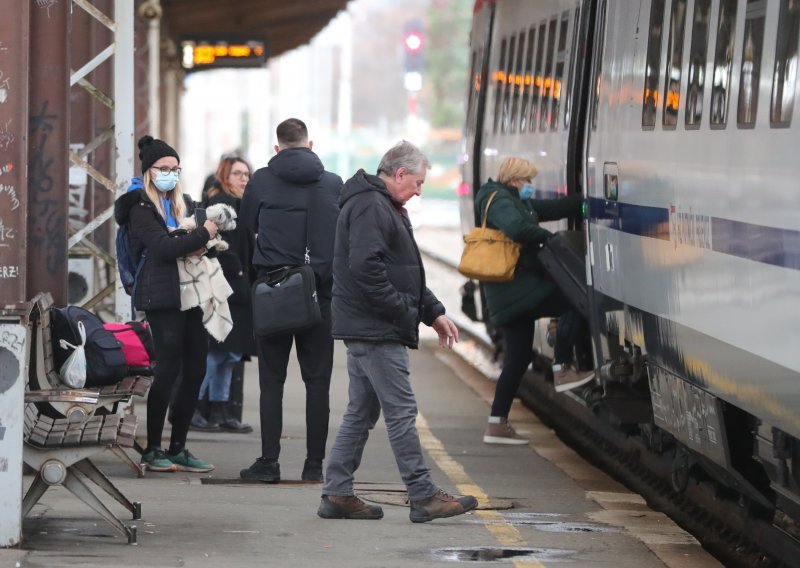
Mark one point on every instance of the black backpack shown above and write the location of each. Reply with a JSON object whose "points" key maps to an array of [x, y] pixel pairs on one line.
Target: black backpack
{"points": [[105, 360]]}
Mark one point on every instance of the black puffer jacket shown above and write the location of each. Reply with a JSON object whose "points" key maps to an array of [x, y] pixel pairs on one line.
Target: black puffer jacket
{"points": [[274, 207], [379, 291], [158, 285]]}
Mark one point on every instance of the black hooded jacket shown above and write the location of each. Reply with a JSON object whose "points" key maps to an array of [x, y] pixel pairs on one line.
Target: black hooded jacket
{"points": [[275, 207], [158, 284], [379, 291]]}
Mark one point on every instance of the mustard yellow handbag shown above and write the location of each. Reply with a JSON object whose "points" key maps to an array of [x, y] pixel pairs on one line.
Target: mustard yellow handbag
{"points": [[489, 255]]}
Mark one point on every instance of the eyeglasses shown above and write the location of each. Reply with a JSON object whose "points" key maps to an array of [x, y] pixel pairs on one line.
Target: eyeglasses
{"points": [[167, 170], [240, 174]]}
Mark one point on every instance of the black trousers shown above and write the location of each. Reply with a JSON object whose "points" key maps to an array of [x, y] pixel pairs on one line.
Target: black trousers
{"points": [[180, 342], [314, 348], [518, 335]]}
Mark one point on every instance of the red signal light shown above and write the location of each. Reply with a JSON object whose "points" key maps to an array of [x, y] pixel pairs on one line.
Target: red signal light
{"points": [[413, 41]]}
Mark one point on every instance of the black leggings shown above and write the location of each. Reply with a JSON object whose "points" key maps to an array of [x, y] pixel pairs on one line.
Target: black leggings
{"points": [[180, 341], [518, 335]]}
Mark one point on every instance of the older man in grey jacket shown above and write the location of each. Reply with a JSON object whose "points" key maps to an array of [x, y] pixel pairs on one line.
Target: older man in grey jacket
{"points": [[379, 300]]}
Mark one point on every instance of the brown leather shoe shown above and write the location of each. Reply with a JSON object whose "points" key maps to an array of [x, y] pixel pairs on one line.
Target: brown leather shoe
{"points": [[441, 505], [347, 507]]}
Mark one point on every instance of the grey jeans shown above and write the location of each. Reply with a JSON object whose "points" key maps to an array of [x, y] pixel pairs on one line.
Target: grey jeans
{"points": [[379, 379]]}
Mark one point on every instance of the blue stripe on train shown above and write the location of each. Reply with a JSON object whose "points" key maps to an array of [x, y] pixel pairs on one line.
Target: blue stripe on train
{"points": [[768, 245]]}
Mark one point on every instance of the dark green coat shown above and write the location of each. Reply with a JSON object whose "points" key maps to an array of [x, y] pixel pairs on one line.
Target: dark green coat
{"points": [[519, 220]]}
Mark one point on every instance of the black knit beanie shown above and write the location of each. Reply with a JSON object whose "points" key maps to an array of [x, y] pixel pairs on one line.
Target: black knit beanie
{"points": [[152, 150]]}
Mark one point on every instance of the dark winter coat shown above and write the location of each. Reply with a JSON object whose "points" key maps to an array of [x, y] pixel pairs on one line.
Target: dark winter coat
{"points": [[275, 207], [158, 284], [519, 220], [379, 291], [237, 266]]}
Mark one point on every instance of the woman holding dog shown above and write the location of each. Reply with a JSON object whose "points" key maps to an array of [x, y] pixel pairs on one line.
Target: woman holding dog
{"points": [[232, 176], [153, 208]]}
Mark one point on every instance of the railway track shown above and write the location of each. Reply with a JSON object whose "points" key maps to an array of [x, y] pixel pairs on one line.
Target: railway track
{"points": [[736, 531]]}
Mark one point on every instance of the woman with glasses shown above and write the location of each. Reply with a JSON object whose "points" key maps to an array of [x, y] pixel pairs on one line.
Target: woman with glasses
{"points": [[232, 176], [152, 209]]}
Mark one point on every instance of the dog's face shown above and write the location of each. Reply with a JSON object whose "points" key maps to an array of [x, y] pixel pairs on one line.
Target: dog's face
{"points": [[223, 215]]}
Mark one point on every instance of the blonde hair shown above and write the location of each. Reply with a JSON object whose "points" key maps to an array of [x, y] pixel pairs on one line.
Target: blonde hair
{"points": [[175, 197], [516, 169]]}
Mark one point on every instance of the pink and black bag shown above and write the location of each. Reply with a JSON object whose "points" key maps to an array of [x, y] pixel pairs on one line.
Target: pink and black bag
{"points": [[137, 345]]}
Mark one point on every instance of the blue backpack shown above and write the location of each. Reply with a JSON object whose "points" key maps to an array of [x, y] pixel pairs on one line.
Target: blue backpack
{"points": [[129, 264]]}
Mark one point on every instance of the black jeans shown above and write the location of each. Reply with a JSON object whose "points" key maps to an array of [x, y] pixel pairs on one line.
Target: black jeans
{"points": [[518, 335], [181, 342], [315, 354]]}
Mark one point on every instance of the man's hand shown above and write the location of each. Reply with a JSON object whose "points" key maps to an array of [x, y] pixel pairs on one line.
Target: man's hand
{"points": [[447, 330]]}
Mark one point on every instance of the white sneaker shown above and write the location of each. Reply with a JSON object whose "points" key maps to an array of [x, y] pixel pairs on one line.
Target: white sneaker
{"points": [[565, 377]]}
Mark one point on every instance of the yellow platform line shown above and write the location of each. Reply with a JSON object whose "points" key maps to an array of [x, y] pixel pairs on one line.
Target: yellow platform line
{"points": [[505, 533]]}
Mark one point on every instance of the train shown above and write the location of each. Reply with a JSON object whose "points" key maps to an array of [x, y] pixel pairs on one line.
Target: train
{"points": [[675, 121]]}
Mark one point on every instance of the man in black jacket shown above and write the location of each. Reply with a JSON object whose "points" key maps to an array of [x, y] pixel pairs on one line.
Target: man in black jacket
{"points": [[379, 300], [293, 190]]}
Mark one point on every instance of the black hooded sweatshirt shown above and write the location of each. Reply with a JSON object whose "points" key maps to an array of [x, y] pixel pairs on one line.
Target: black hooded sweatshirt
{"points": [[275, 206], [379, 291]]}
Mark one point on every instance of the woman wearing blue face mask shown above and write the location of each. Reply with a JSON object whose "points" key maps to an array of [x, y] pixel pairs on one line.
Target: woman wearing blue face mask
{"points": [[152, 209], [515, 306]]}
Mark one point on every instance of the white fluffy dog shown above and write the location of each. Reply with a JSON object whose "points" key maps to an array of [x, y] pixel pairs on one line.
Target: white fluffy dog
{"points": [[225, 218]]}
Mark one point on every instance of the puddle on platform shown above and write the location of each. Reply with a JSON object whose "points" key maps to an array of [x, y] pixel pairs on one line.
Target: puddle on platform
{"points": [[495, 554]]}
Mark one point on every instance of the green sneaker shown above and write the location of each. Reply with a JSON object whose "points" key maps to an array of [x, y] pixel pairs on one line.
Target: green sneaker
{"points": [[185, 461], [156, 460]]}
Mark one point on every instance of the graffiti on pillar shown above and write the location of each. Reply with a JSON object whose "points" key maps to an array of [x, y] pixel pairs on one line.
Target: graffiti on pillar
{"points": [[9, 364], [6, 136], [43, 209], [5, 87], [7, 234], [6, 168], [46, 4], [11, 191]]}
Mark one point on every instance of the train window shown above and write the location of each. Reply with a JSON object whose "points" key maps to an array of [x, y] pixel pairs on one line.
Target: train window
{"points": [[547, 87], [538, 80], [561, 56], [572, 67], [723, 58], [518, 83], [471, 92], [527, 81], [598, 64], [752, 46], [508, 86], [783, 80], [697, 63], [672, 79], [499, 83], [650, 94]]}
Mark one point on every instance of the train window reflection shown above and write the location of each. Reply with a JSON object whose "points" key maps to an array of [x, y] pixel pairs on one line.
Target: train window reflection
{"points": [[499, 83], [571, 70], [698, 52], [672, 79], [472, 92], [537, 79], [752, 46], [783, 80], [518, 84], [723, 57], [547, 78], [508, 87], [651, 74], [527, 85], [561, 56]]}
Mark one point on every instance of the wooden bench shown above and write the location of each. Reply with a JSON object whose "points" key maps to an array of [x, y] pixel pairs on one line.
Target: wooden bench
{"points": [[65, 427]]}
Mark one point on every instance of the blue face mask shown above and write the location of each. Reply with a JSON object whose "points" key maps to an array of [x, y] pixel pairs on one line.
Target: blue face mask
{"points": [[166, 182], [527, 191]]}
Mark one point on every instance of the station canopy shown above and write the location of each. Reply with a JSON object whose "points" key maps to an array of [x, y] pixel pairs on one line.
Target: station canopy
{"points": [[282, 25]]}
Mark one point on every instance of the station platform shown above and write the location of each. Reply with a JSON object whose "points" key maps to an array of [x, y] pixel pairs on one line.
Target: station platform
{"points": [[541, 504]]}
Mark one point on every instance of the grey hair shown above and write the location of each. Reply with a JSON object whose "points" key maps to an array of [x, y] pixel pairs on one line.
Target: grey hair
{"points": [[403, 155]]}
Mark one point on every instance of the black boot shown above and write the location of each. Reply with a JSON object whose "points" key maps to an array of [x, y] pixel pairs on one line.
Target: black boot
{"points": [[200, 423], [227, 423]]}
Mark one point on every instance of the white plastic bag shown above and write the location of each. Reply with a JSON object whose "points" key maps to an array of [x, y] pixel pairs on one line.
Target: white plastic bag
{"points": [[73, 371]]}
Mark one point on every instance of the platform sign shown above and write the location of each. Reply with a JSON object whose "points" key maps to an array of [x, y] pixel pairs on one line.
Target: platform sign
{"points": [[199, 54]]}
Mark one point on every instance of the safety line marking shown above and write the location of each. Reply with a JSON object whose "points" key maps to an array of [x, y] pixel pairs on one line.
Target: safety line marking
{"points": [[505, 533]]}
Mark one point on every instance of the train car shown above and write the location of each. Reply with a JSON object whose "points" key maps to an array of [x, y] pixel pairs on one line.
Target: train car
{"points": [[674, 118]]}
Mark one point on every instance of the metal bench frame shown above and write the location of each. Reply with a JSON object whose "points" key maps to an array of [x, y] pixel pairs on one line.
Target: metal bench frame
{"points": [[65, 427]]}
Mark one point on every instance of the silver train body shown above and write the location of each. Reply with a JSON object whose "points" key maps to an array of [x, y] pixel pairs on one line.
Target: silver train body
{"points": [[676, 119]]}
